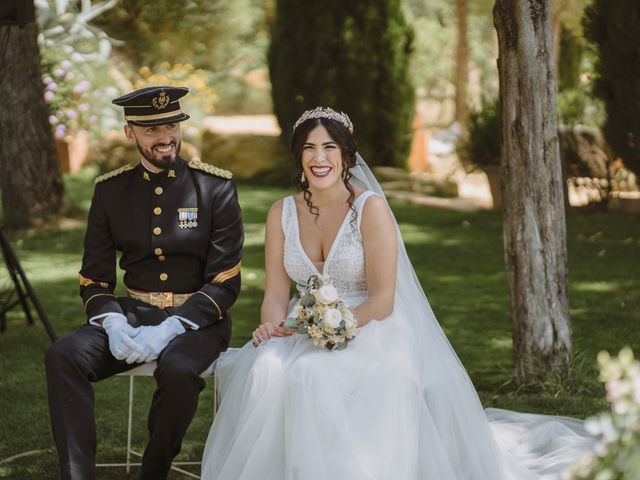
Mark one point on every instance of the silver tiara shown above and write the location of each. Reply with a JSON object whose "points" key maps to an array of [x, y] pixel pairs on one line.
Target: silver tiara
{"points": [[325, 112]]}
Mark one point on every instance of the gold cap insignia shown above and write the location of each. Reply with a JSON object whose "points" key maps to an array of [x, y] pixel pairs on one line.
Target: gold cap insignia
{"points": [[161, 101]]}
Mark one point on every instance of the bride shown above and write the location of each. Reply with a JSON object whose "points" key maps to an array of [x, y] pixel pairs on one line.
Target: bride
{"points": [[396, 404]]}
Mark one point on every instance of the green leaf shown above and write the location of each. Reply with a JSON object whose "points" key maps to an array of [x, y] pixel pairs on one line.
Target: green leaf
{"points": [[308, 300], [314, 282], [290, 323], [340, 346]]}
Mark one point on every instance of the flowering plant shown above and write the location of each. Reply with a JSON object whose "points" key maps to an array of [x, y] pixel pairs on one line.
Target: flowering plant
{"points": [[617, 453], [74, 63], [69, 96], [323, 315]]}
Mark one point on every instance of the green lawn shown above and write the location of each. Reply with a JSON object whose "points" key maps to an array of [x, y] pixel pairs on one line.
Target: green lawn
{"points": [[457, 256]]}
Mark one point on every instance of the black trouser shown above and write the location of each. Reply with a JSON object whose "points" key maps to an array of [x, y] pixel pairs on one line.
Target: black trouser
{"points": [[83, 356]]}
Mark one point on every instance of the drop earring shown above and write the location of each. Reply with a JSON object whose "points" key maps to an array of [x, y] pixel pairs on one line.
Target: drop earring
{"points": [[302, 179]]}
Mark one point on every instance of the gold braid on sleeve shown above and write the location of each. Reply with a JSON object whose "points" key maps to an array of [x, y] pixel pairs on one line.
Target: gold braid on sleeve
{"points": [[227, 274], [85, 282]]}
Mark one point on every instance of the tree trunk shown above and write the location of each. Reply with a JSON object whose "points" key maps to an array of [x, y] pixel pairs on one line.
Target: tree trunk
{"points": [[462, 65], [534, 215], [30, 179]]}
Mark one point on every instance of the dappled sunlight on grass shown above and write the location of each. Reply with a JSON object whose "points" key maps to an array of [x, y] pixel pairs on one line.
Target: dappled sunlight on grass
{"points": [[501, 343], [253, 234], [458, 258], [595, 286]]}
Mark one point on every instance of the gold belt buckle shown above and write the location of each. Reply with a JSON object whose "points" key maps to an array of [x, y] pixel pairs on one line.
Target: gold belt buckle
{"points": [[161, 299]]}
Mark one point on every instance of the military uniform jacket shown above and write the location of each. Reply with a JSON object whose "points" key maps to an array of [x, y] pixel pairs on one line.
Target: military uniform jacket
{"points": [[179, 231]]}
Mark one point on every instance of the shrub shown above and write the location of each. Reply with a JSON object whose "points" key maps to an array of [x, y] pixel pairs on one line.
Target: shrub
{"points": [[613, 25], [480, 147], [351, 56]]}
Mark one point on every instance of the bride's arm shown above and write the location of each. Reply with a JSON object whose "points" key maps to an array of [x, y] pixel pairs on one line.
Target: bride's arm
{"points": [[276, 282], [381, 259]]}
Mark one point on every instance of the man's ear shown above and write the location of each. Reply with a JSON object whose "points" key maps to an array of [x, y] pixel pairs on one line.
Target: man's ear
{"points": [[128, 131]]}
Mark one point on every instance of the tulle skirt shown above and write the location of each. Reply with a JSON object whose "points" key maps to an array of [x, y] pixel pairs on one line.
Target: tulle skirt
{"points": [[293, 411]]}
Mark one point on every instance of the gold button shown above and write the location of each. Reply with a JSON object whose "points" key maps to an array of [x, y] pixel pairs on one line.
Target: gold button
{"points": [[163, 276], [158, 190], [162, 258], [158, 251], [157, 210], [157, 231]]}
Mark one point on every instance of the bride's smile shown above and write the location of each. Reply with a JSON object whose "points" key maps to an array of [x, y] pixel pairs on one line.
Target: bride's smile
{"points": [[321, 160]]}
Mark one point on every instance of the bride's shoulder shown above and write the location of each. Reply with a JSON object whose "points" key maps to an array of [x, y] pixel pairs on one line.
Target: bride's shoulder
{"points": [[375, 212], [372, 202], [275, 211]]}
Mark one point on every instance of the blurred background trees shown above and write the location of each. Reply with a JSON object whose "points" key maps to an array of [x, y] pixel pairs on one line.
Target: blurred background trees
{"points": [[225, 40], [612, 27], [352, 56], [415, 75]]}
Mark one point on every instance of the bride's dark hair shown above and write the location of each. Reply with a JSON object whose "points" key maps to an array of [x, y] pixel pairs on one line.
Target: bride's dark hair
{"points": [[339, 134]]}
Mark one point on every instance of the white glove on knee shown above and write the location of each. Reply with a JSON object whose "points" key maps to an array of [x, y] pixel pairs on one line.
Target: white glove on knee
{"points": [[121, 336], [154, 339]]}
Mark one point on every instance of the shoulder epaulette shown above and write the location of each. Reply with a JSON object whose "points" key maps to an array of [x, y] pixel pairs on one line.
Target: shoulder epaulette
{"points": [[114, 173], [208, 168]]}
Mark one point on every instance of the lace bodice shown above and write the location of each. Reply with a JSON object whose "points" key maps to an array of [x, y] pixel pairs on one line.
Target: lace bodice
{"points": [[345, 260]]}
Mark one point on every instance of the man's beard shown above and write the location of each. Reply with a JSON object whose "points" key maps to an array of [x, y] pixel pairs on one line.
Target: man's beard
{"points": [[165, 161]]}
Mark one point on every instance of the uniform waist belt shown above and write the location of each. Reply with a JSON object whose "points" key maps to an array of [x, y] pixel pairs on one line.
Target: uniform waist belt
{"points": [[160, 299]]}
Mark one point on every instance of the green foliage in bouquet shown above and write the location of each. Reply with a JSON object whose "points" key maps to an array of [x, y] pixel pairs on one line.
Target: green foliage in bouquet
{"points": [[322, 315]]}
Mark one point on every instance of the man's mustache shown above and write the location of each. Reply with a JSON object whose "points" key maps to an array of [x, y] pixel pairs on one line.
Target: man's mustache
{"points": [[172, 144]]}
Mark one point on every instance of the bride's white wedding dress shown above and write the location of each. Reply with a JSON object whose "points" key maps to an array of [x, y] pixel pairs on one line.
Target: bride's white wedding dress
{"points": [[396, 404]]}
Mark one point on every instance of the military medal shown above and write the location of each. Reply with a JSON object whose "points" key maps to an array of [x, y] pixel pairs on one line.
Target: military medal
{"points": [[187, 217]]}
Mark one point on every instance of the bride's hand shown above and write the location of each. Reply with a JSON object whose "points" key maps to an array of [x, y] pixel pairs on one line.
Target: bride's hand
{"points": [[263, 333], [282, 331], [267, 330]]}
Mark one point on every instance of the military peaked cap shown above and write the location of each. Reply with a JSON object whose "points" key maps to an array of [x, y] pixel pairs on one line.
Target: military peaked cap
{"points": [[153, 105]]}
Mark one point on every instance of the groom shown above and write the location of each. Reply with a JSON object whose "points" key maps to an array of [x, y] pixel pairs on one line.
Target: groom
{"points": [[179, 228]]}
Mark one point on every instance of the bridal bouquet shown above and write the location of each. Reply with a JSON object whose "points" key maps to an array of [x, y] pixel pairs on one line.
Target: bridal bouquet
{"points": [[323, 315]]}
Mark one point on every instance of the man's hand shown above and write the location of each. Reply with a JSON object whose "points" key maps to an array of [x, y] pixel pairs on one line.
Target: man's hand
{"points": [[121, 336], [154, 339]]}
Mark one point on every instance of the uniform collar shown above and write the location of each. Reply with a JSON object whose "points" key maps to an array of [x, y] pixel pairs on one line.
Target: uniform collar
{"points": [[164, 175]]}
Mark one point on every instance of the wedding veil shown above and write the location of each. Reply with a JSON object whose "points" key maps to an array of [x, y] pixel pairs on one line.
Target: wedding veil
{"points": [[496, 444]]}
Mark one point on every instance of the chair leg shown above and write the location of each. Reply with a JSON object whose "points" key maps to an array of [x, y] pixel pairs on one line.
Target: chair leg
{"points": [[130, 423]]}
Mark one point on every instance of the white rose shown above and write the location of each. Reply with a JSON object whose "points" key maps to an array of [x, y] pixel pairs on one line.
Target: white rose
{"points": [[327, 294], [333, 317], [348, 317]]}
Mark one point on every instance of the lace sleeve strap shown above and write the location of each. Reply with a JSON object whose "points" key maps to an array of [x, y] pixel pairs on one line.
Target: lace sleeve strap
{"points": [[360, 204], [287, 203]]}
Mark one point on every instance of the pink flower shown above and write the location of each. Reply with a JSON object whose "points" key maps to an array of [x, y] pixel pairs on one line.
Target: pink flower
{"points": [[72, 114], [53, 119], [60, 131], [66, 64], [47, 79], [82, 87], [83, 107], [53, 86], [59, 72], [48, 96]]}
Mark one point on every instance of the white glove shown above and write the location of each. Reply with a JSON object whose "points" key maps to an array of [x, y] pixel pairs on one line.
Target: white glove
{"points": [[121, 336], [154, 339]]}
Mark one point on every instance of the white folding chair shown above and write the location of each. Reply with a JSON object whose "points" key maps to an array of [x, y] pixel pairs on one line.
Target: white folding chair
{"points": [[146, 370]]}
